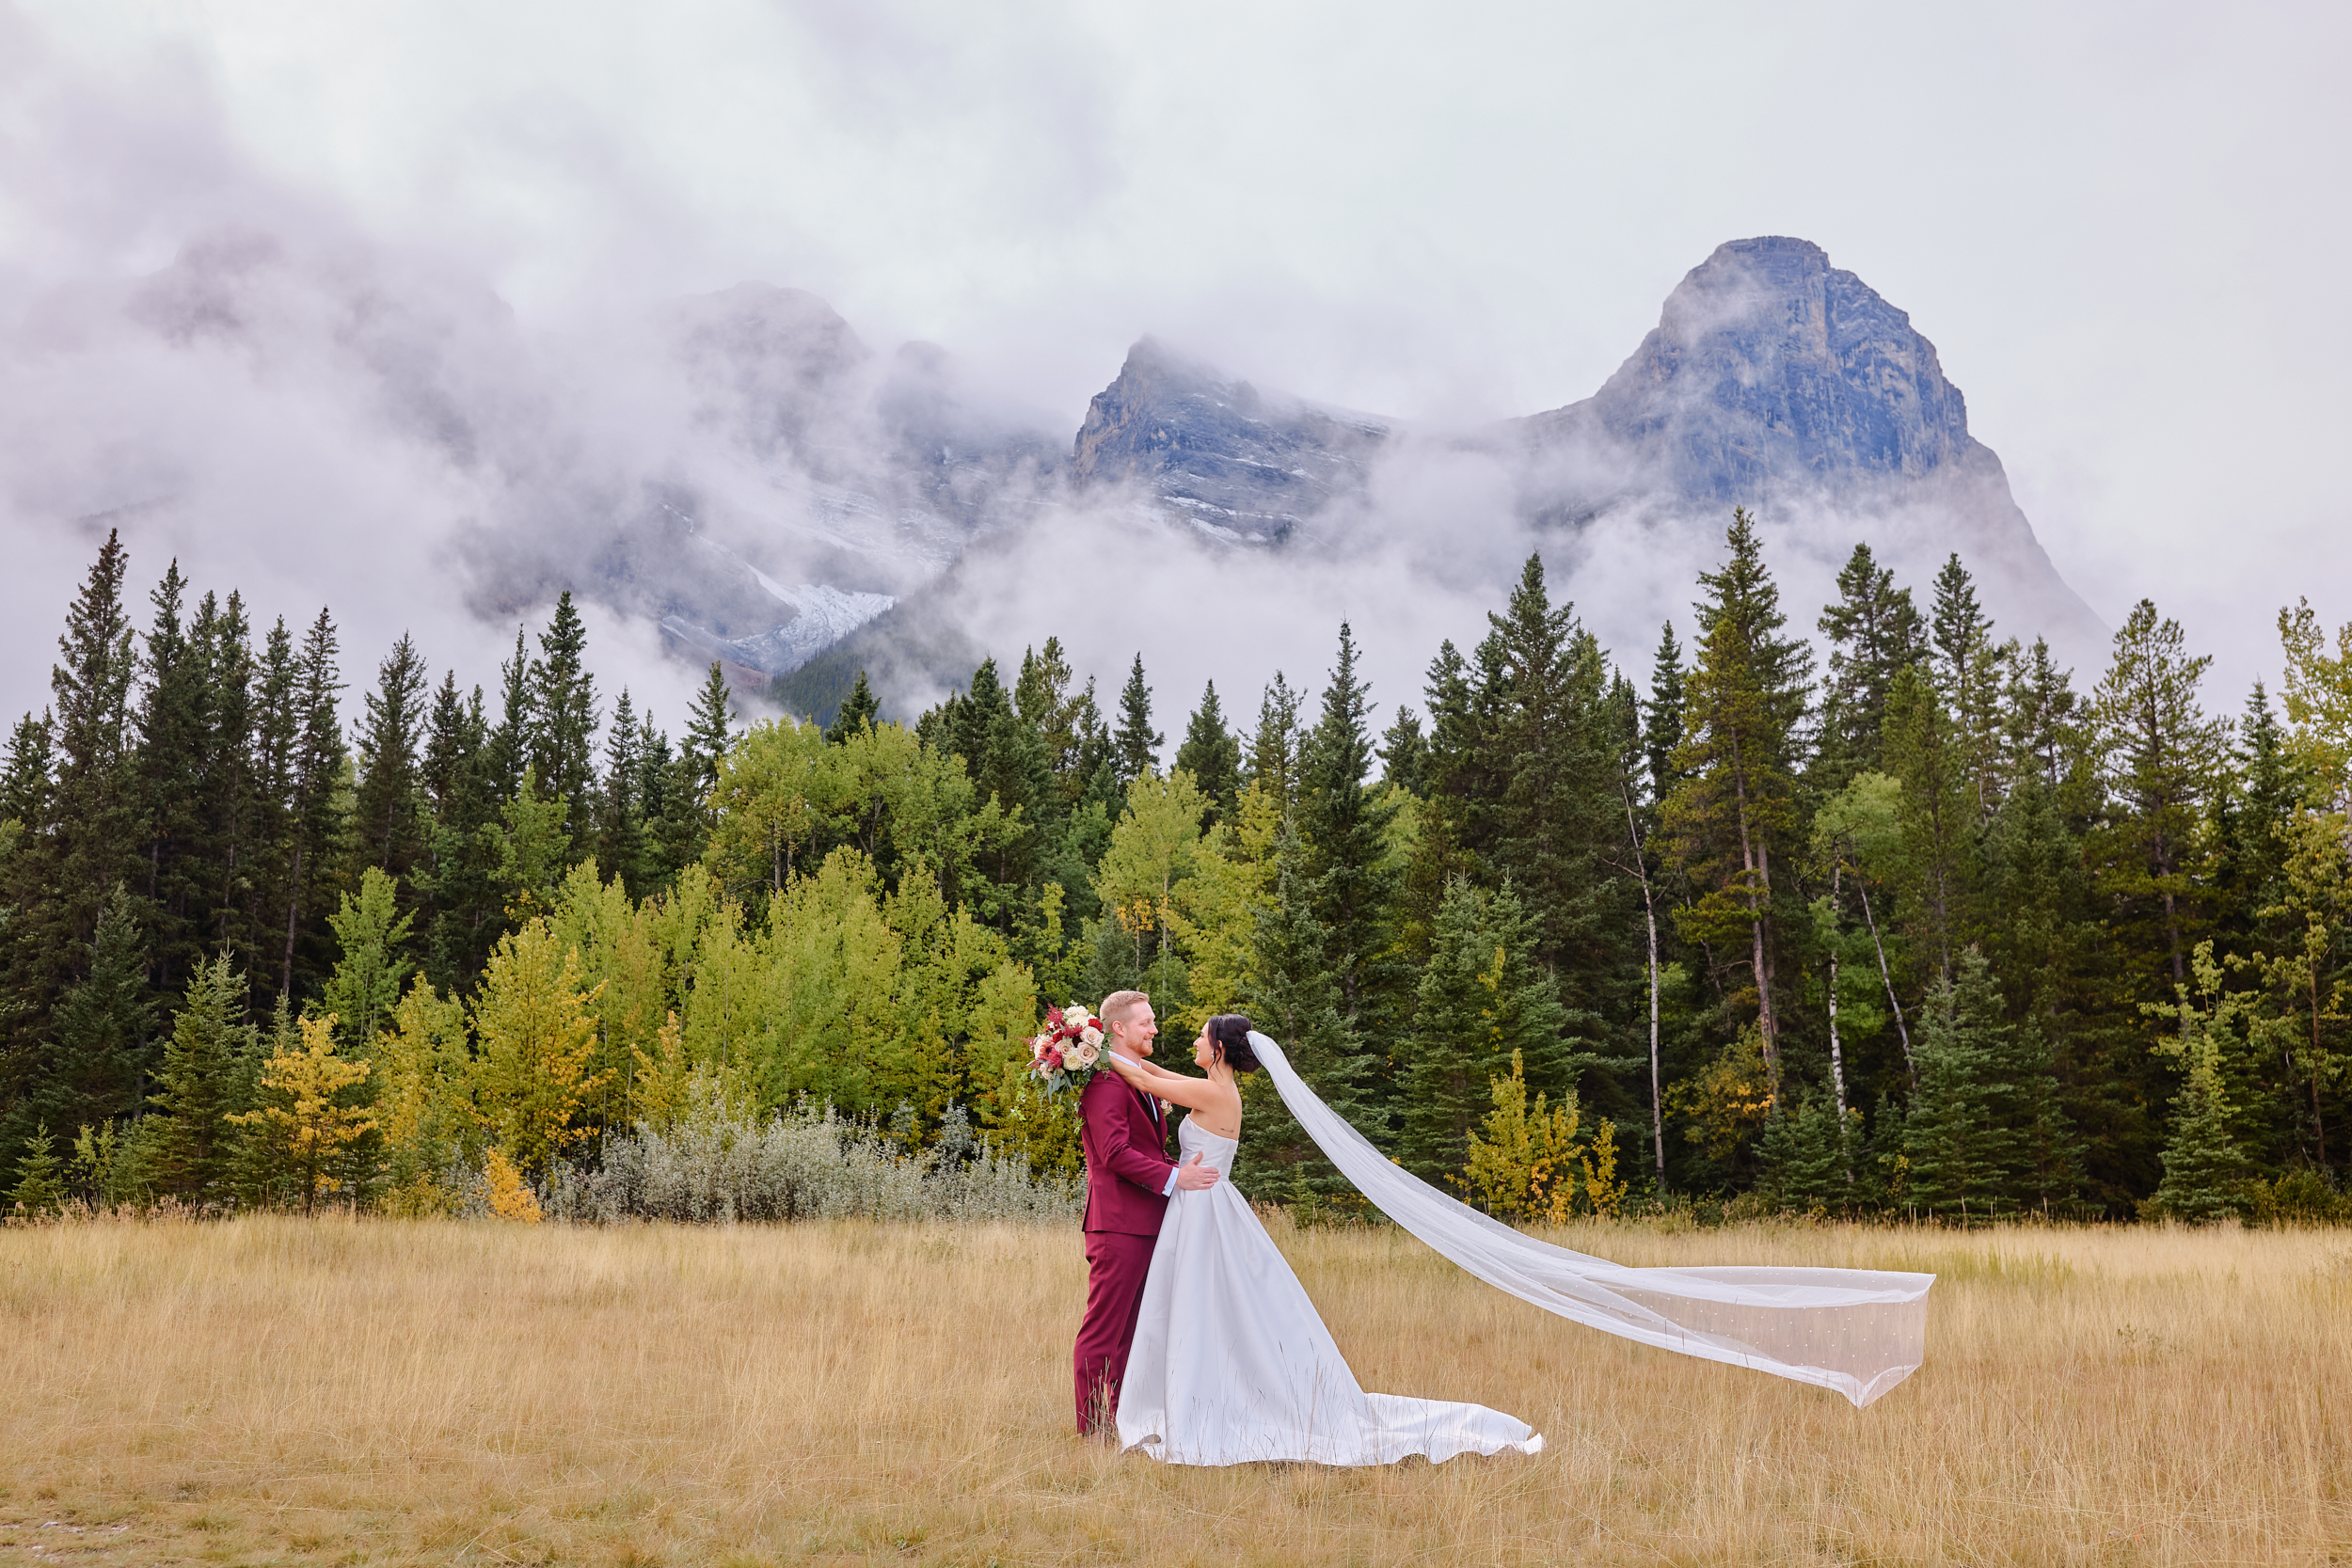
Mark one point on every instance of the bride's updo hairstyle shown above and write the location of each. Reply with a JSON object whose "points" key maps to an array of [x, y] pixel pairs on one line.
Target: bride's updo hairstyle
{"points": [[1229, 1034]]}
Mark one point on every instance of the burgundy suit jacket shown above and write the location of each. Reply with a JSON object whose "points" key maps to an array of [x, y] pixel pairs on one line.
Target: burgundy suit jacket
{"points": [[1126, 1152]]}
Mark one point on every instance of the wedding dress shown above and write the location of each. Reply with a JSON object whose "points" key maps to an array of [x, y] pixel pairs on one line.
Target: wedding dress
{"points": [[1232, 1363]]}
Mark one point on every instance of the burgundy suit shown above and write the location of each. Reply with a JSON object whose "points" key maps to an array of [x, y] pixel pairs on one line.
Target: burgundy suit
{"points": [[1125, 1139]]}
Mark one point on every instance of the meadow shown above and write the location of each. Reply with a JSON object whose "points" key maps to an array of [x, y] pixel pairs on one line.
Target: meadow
{"points": [[346, 1392]]}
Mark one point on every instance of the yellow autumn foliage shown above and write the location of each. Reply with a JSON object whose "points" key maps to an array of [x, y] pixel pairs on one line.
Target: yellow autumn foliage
{"points": [[300, 1125], [1528, 1165], [511, 1197], [537, 1037]]}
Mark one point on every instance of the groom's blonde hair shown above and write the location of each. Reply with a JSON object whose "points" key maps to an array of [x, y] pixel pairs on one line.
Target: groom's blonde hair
{"points": [[1120, 1006]]}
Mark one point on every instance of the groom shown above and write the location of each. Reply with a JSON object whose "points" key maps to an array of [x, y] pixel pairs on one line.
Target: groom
{"points": [[1128, 1183]]}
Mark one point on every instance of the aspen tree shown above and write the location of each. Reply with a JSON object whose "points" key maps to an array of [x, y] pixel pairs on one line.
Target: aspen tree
{"points": [[537, 1037]]}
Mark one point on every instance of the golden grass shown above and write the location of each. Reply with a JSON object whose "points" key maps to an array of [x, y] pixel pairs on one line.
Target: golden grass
{"points": [[348, 1392]]}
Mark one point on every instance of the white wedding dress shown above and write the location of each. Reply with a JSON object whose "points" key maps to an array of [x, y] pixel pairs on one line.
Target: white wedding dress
{"points": [[1232, 1363]]}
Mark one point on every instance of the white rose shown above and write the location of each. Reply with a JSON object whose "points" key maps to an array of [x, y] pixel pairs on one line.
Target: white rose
{"points": [[1082, 1054], [1090, 1035]]}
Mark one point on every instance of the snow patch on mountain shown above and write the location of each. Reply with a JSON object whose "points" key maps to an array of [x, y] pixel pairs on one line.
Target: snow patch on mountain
{"points": [[827, 614]]}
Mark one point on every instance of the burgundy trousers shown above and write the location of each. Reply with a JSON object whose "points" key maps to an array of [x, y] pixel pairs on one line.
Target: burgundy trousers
{"points": [[1116, 1267]]}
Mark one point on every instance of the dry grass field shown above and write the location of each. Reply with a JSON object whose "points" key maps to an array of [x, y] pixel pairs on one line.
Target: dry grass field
{"points": [[357, 1392]]}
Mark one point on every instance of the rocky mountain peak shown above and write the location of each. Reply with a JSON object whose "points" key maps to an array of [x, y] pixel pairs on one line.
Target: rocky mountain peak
{"points": [[1771, 369], [1239, 463]]}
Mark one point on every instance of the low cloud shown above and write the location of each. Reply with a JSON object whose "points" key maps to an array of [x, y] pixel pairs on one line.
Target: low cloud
{"points": [[246, 378]]}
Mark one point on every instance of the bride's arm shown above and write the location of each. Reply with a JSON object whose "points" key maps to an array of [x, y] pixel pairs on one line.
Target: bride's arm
{"points": [[1153, 1069], [1174, 1088]]}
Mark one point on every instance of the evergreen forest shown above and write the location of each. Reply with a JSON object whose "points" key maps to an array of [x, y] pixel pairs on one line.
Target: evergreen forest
{"points": [[1892, 916]]}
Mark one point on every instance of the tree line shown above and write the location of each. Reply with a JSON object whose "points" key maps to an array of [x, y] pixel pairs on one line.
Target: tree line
{"points": [[1922, 927]]}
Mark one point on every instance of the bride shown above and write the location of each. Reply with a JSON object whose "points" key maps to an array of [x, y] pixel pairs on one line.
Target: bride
{"points": [[1232, 1363]]}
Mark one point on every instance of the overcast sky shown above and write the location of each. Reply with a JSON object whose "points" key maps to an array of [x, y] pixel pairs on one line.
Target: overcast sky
{"points": [[2123, 226]]}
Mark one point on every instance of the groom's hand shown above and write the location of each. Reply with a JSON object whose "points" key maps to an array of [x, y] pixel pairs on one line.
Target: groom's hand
{"points": [[1192, 1174]]}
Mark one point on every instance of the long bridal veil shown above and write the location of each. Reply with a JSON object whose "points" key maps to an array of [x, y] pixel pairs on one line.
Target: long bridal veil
{"points": [[1858, 1331]]}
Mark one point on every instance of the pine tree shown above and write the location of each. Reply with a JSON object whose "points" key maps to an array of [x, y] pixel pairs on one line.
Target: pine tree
{"points": [[173, 730], [96, 1063], [1936, 873], [1969, 669], [510, 741], [1468, 771], [266, 810], [1344, 833], [66, 873], [386, 822], [1555, 819], [1661, 716], [563, 720], [315, 812], [2043, 720], [25, 776], [188, 1137], [620, 811], [2045, 943], [1810, 1155], [1874, 633], [1483, 1002], [673, 835], [232, 806], [1070, 724], [708, 735], [1274, 747], [1009, 762], [1404, 753], [92, 802], [1464, 776], [1212, 755], [460, 901], [1736, 809], [1985, 1133], [1135, 744], [1961, 1157], [860, 708], [2256, 815], [533, 849], [2306, 965], [39, 1188], [2160, 759], [1292, 995]]}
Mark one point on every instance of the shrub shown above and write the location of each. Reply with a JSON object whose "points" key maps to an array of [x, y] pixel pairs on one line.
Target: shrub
{"points": [[722, 1163], [2299, 1197]]}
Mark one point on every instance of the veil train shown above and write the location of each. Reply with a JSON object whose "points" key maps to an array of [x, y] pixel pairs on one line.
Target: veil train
{"points": [[1859, 1331]]}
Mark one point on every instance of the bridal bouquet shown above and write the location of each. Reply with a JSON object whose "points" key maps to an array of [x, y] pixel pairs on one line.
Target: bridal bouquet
{"points": [[1069, 1049]]}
